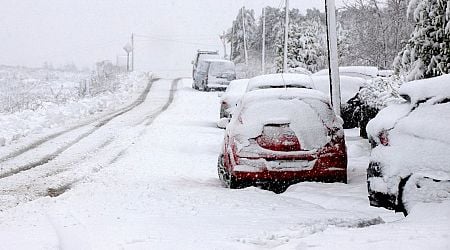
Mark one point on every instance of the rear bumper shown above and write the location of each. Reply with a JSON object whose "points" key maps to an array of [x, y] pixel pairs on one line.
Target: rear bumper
{"points": [[326, 169], [291, 177]]}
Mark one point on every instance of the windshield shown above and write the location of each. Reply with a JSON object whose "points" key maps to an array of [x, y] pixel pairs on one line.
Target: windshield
{"points": [[220, 68]]}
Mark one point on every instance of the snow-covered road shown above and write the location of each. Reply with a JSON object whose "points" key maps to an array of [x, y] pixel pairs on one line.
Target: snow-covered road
{"points": [[162, 192], [49, 166]]}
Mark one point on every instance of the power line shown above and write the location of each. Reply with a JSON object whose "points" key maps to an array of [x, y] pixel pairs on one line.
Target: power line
{"points": [[152, 38]]}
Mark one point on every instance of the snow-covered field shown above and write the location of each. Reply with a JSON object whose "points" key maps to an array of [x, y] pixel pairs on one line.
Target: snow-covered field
{"points": [[35, 101], [154, 185]]}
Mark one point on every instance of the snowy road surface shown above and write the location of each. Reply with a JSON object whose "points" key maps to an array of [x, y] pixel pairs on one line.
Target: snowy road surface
{"points": [[144, 183]]}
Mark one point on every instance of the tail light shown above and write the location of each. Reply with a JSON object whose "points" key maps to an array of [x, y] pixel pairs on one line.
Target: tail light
{"points": [[278, 137], [383, 136]]}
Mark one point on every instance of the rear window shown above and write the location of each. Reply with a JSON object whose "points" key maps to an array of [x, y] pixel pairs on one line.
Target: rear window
{"points": [[308, 118], [203, 57], [278, 86], [218, 68]]}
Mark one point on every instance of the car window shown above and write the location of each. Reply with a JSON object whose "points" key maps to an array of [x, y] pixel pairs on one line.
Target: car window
{"points": [[218, 68]]}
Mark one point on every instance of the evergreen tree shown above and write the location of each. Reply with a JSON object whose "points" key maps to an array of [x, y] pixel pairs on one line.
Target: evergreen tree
{"points": [[427, 53], [306, 46], [235, 35]]}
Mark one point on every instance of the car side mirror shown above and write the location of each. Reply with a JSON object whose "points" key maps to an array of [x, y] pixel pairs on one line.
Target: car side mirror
{"points": [[192, 62]]}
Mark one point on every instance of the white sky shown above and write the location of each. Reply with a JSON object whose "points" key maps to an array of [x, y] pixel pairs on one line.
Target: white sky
{"points": [[86, 31]]}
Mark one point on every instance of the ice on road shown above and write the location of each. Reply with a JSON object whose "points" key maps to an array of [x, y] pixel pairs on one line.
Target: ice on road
{"points": [[164, 193]]}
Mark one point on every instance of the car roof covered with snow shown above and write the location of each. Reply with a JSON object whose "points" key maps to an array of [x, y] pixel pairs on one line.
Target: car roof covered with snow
{"points": [[349, 85], [280, 80], [421, 90], [218, 61], [236, 88], [366, 72]]}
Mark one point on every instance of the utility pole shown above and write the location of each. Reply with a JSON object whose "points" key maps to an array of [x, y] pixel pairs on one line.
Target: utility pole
{"points": [[286, 36], [128, 48], [263, 59], [245, 38], [335, 90], [132, 51], [224, 42], [231, 42]]}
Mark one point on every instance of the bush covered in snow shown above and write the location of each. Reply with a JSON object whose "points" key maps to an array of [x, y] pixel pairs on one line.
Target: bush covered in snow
{"points": [[373, 96], [380, 92]]}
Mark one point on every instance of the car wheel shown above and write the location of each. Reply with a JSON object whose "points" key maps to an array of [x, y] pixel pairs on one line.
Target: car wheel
{"points": [[227, 179], [416, 189]]}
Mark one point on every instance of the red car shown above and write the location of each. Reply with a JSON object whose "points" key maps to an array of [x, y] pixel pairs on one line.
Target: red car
{"points": [[278, 137]]}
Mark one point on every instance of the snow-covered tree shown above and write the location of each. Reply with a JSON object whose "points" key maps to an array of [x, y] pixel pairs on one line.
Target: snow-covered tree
{"points": [[372, 32], [306, 46], [427, 53], [235, 35]]}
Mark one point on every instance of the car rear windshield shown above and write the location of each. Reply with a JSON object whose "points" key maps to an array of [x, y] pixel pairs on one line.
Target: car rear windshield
{"points": [[308, 118], [219, 68]]}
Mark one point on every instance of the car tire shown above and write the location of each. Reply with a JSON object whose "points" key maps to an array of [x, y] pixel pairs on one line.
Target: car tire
{"points": [[228, 180]]}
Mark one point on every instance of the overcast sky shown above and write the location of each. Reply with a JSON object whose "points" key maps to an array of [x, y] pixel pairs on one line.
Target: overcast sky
{"points": [[85, 31]]}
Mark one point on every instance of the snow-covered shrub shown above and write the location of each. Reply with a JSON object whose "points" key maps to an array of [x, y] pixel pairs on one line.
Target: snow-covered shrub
{"points": [[380, 92], [375, 95]]}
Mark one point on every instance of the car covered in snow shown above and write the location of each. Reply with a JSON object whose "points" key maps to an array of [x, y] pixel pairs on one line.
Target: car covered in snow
{"points": [[410, 159], [366, 72], [278, 137], [280, 80], [232, 95], [214, 74], [203, 55]]}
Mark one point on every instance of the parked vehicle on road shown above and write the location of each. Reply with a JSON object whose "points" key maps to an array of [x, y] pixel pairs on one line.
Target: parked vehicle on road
{"points": [[231, 97], [214, 74], [203, 55], [278, 137], [410, 160], [350, 86]]}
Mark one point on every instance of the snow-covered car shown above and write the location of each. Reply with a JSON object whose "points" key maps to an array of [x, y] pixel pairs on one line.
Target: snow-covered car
{"points": [[231, 97], [410, 159], [278, 137], [366, 72], [203, 55], [350, 86], [214, 74], [280, 80]]}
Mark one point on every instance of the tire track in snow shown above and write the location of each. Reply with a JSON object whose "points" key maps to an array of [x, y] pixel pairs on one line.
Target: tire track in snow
{"points": [[53, 155], [109, 116], [150, 118]]}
